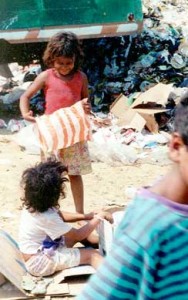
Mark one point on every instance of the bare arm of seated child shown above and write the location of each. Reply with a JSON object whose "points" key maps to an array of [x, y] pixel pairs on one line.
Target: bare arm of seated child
{"points": [[77, 235]]}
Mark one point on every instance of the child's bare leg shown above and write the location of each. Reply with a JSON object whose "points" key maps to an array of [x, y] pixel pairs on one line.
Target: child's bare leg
{"points": [[77, 192], [42, 155], [93, 238], [91, 241], [90, 257]]}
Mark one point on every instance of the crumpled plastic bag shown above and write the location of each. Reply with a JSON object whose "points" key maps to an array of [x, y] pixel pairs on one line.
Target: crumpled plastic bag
{"points": [[105, 147], [15, 125], [27, 139], [36, 286]]}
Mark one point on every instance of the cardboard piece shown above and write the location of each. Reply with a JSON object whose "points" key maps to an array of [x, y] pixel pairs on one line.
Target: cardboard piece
{"points": [[2, 279], [12, 267], [141, 112], [106, 232], [11, 263], [119, 106], [157, 94], [132, 119], [151, 124], [13, 295], [76, 271]]}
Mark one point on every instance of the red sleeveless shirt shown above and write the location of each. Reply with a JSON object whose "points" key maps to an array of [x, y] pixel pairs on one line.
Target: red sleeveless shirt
{"points": [[60, 93]]}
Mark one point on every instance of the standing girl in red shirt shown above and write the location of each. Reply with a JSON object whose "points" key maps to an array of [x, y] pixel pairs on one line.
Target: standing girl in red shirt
{"points": [[63, 84]]}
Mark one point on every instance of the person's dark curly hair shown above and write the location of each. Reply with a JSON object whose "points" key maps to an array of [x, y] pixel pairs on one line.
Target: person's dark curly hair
{"points": [[181, 118], [43, 184], [63, 44]]}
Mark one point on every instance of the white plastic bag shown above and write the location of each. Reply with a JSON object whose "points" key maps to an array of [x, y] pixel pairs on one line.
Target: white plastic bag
{"points": [[27, 138]]}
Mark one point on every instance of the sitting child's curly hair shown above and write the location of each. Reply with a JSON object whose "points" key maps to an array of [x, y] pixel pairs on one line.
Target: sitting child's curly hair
{"points": [[43, 184]]}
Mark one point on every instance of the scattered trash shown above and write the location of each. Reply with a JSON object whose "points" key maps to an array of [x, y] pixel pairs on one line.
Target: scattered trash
{"points": [[34, 285], [15, 125], [26, 138], [2, 124]]}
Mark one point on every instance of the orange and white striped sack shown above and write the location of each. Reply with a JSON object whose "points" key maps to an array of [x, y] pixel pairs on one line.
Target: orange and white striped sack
{"points": [[63, 128]]}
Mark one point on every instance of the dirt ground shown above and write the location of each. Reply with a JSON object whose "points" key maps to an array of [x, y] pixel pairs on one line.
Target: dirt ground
{"points": [[104, 188]]}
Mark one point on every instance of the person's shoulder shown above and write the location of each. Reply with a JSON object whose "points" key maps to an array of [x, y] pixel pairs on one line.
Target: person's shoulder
{"points": [[43, 75], [47, 72], [24, 212], [47, 216], [82, 75], [28, 216], [144, 210], [50, 212]]}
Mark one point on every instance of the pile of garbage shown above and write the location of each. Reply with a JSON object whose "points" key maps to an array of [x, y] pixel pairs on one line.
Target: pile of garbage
{"points": [[130, 64], [129, 133], [139, 129]]}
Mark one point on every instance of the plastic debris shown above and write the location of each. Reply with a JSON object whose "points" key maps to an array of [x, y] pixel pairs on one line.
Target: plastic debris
{"points": [[15, 125], [2, 124]]}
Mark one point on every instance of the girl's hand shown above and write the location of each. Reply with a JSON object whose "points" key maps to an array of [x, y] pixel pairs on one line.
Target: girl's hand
{"points": [[86, 106], [89, 216], [105, 215], [29, 116]]}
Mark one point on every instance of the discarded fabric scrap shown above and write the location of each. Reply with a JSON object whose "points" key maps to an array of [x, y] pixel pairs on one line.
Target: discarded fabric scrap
{"points": [[63, 128]]}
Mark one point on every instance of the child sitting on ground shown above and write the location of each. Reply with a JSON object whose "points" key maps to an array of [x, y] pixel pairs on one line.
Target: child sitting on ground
{"points": [[148, 259], [46, 240]]}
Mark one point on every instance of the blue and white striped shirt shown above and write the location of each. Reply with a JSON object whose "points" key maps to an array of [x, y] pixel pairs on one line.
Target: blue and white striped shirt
{"points": [[149, 256]]}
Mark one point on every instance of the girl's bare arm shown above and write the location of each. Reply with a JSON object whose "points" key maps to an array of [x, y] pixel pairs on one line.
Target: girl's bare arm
{"points": [[77, 235], [85, 95], [85, 91], [75, 217], [37, 85]]}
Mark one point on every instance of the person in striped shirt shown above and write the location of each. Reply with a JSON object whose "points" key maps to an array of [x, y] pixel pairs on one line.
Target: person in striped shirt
{"points": [[148, 257]]}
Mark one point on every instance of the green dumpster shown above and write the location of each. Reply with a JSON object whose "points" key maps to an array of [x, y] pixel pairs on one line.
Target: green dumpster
{"points": [[32, 20]]}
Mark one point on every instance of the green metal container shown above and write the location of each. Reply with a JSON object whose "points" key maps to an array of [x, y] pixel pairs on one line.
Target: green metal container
{"points": [[87, 18]]}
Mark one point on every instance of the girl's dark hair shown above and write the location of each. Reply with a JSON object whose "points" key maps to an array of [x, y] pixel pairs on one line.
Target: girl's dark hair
{"points": [[63, 44], [43, 184], [181, 118]]}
